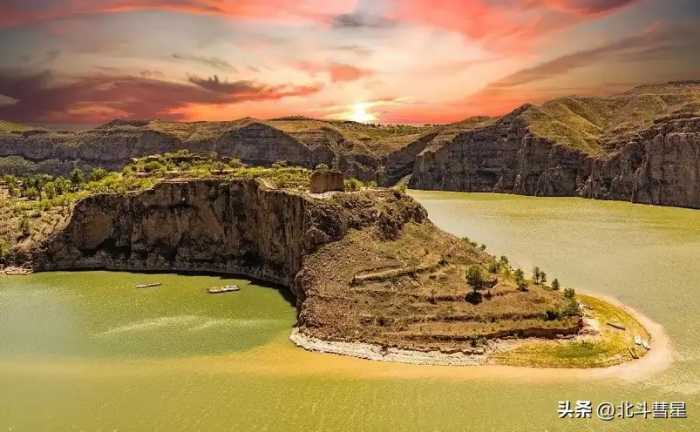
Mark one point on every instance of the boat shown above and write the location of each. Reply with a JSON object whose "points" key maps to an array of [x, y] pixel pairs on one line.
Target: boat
{"points": [[646, 345], [633, 354], [224, 289], [149, 285], [616, 325]]}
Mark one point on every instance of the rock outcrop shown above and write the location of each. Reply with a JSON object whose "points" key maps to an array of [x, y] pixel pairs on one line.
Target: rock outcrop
{"points": [[365, 266]]}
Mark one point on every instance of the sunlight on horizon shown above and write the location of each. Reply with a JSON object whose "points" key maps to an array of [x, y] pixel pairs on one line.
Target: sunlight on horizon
{"points": [[360, 114]]}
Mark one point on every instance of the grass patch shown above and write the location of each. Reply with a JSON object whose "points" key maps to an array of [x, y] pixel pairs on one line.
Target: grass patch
{"points": [[609, 348]]}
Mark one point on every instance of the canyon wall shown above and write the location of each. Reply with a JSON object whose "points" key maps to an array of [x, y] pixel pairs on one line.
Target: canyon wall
{"points": [[660, 165], [232, 227]]}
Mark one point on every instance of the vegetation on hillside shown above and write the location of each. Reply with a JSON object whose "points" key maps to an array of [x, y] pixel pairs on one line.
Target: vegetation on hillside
{"points": [[595, 124], [32, 205]]}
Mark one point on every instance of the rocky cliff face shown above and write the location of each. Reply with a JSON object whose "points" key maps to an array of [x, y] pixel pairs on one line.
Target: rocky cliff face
{"points": [[302, 143], [233, 227], [364, 266], [659, 165]]}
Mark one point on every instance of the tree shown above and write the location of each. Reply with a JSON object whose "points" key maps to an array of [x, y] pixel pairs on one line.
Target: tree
{"points": [[555, 284], [474, 277], [536, 275], [493, 267], [77, 178], [520, 280], [569, 293], [503, 261], [31, 193], [98, 174], [50, 190], [543, 277]]}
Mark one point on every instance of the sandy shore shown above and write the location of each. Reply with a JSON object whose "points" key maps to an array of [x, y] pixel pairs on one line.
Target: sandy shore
{"points": [[656, 360]]}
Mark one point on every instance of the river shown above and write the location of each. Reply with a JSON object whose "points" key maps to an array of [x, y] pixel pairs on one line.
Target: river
{"points": [[89, 351]]}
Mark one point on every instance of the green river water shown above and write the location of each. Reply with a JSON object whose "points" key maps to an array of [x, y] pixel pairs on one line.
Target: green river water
{"points": [[88, 351]]}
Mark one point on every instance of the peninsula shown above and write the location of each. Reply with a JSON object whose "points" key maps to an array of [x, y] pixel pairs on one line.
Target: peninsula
{"points": [[371, 275]]}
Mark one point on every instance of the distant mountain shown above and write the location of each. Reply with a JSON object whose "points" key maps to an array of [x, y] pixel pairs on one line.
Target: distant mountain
{"points": [[641, 146]]}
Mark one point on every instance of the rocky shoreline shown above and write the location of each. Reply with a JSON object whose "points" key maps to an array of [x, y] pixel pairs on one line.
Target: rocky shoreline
{"points": [[491, 354]]}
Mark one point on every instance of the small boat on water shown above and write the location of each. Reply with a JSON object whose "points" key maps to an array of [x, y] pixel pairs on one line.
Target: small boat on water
{"points": [[225, 289], [633, 353], [149, 285], [616, 325]]}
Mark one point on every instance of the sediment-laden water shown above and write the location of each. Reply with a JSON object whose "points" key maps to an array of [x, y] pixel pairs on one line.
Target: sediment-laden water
{"points": [[89, 351]]}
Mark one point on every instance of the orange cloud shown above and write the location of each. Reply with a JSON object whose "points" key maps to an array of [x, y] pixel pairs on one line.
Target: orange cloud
{"points": [[34, 11], [511, 27], [337, 72]]}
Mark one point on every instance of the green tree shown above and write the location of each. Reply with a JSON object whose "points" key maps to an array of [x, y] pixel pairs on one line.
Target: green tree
{"points": [[493, 267], [77, 178], [520, 280], [98, 174], [50, 190], [31, 193], [474, 277], [536, 275], [555, 284], [569, 293], [543, 277]]}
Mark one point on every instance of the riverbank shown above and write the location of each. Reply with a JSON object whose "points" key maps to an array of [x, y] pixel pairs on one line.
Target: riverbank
{"points": [[599, 346]]}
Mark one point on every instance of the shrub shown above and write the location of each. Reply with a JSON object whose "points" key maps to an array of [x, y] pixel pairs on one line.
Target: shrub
{"points": [[473, 297], [520, 280], [152, 166], [353, 184], [569, 293], [77, 178], [98, 174], [474, 277], [4, 249], [555, 284], [493, 267], [571, 308], [551, 315]]}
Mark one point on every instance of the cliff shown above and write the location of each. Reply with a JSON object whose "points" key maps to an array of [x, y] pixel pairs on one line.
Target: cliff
{"points": [[354, 148], [642, 146], [364, 266]]}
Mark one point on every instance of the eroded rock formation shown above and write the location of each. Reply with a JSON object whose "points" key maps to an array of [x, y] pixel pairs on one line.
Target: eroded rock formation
{"points": [[364, 266]]}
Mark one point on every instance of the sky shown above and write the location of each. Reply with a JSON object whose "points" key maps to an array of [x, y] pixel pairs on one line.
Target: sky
{"points": [[389, 61]]}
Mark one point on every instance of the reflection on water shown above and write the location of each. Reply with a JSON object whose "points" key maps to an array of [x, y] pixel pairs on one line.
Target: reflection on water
{"points": [[89, 351]]}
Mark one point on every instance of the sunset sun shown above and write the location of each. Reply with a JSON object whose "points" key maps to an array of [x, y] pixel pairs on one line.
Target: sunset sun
{"points": [[360, 114]]}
